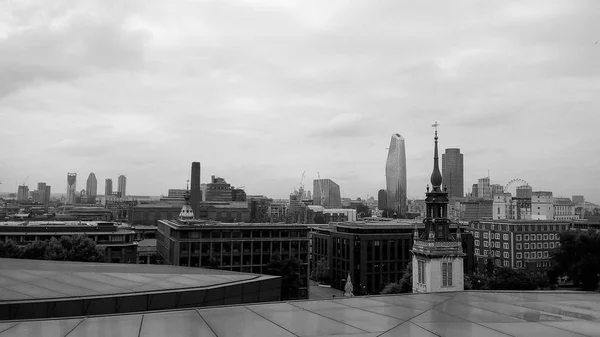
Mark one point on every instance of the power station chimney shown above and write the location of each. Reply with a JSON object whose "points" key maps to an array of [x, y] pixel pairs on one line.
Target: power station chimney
{"points": [[196, 193]]}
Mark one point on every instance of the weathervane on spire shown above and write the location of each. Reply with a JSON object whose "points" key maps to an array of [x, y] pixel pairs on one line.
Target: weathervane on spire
{"points": [[435, 125], [187, 184]]}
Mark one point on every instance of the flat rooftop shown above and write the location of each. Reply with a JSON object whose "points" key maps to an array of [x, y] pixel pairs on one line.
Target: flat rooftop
{"points": [[218, 224], [27, 280], [461, 314]]}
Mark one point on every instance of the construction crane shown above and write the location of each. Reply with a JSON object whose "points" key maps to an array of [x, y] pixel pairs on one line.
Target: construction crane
{"points": [[25, 181]]}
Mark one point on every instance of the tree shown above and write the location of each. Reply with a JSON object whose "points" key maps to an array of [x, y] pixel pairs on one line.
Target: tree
{"points": [[10, 249], [321, 272], [579, 258], [404, 286], [363, 210], [289, 271], [319, 218], [67, 248]]}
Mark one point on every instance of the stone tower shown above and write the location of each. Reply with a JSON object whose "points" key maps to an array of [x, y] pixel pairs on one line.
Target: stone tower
{"points": [[437, 263]]}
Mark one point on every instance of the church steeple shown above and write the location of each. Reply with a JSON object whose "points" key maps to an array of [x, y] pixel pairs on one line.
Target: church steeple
{"points": [[186, 210], [436, 176]]}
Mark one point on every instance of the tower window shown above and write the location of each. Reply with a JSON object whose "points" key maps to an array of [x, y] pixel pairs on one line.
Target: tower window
{"points": [[446, 274], [421, 272]]}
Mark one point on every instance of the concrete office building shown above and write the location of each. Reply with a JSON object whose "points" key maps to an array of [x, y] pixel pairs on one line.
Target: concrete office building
{"points": [[71, 188], [122, 188], [524, 192], [196, 193], [108, 187], [564, 209], [326, 193], [395, 175], [91, 187], [452, 172], [234, 246]]}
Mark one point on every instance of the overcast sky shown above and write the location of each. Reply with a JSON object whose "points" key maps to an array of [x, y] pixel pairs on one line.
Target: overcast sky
{"points": [[259, 91]]}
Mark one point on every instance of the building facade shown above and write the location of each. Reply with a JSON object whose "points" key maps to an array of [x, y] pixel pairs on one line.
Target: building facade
{"points": [[382, 199], [395, 175], [122, 188], [237, 247], [23, 193], [542, 206], [564, 209], [326, 193], [523, 244], [452, 172], [195, 192], [476, 210]]}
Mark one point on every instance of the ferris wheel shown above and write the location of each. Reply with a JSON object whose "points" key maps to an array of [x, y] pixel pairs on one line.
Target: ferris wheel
{"points": [[512, 185]]}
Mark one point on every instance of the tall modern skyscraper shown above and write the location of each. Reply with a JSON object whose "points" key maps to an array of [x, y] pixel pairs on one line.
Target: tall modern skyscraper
{"points": [[71, 188], [91, 187], [395, 175], [122, 185], [326, 193], [452, 172], [108, 187], [23, 193], [195, 192]]}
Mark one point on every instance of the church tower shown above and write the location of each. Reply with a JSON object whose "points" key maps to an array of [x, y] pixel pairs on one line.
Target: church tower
{"points": [[187, 212], [437, 263]]}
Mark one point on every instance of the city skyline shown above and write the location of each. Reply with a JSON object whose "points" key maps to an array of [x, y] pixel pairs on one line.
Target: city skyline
{"points": [[515, 91]]}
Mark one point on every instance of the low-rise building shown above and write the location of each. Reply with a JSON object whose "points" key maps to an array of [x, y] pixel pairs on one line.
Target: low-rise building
{"points": [[243, 247], [564, 209], [477, 209], [118, 241], [525, 244]]}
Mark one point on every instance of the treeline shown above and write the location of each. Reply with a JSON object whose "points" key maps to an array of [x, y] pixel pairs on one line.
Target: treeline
{"points": [[67, 248]]}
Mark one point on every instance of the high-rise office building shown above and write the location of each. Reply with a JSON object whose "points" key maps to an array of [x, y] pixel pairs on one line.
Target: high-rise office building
{"points": [[71, 188], [108, 190], [475, 191], [483, 186], [395, 175], [218, 190], [382, 199], [47, 194], [91, 187], [452, 172], [326, 193], [195, 192], [23, 193], [40, 195], [122, 185]]}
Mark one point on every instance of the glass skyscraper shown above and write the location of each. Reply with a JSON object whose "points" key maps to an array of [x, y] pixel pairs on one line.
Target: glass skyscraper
{"points": [[395, 175]]}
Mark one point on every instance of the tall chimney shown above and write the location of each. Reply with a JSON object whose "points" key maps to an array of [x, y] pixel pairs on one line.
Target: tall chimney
{"points": [[195, 188]]}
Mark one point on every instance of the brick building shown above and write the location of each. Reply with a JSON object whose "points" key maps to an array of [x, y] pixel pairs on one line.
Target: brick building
{"points": [[525, 244]]}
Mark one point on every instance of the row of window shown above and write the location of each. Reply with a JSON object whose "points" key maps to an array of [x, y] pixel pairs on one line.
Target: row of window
{"points": [[537, 237], [506, 255], [539, 245], [233, 234], [520, 228]]}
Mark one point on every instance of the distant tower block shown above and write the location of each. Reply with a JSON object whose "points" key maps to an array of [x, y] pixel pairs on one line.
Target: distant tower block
{"points": [[395, 175], [71, 188], [196, 192]]}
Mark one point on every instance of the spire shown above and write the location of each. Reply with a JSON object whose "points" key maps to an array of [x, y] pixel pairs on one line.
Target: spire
{"points": [[186, 211], [436, 176]]}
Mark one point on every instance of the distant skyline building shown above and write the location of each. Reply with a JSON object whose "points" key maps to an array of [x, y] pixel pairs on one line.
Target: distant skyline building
{"points": [[483, 188], [475, 191], [218, 190], [195, 192], [71, 188], [41, 195], [453, 173], [91, 187], [382, 199], [122, 186], [326, 193], [496, 189], [395, 175], [23, 193], [108, 187], [524, 192], [578, 199]]}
